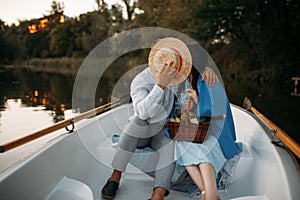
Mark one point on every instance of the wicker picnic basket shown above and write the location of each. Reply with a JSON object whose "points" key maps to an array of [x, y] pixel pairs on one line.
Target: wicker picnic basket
{"points": [[188, 131]]}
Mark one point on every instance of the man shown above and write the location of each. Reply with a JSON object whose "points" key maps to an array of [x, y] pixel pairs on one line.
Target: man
{"points": [[152, 93]]}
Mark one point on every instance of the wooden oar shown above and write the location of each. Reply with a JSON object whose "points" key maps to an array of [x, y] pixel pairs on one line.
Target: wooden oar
{"points": [[57, 126], [284, 138]]}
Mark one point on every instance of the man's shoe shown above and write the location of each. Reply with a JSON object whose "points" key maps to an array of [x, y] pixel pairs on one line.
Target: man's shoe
{"points": [[110, 189]]}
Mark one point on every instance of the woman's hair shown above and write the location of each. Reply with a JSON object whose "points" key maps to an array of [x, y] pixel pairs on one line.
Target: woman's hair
{"points": [[195, 76]]}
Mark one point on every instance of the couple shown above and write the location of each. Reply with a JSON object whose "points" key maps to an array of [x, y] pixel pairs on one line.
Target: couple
{"points": [[153, 93]]}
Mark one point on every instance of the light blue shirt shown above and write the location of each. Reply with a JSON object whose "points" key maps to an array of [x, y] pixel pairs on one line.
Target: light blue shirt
{"points": [[150, 102]]}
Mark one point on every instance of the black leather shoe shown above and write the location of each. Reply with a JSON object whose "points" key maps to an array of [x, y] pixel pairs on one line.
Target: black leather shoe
{"points": [[110, 189]]}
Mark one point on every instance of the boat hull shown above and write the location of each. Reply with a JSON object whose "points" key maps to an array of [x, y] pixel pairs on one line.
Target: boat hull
{"points": [[77, 165]]}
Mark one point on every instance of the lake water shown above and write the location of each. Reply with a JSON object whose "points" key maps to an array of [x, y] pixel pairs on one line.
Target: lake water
{"points": [[32, 100]]}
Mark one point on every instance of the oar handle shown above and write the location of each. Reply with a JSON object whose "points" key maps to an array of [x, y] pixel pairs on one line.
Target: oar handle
{"points": [[57, 126], [285, 138]]}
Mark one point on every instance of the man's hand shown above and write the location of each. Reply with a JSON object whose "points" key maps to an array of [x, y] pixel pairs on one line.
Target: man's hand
{"points": [[210, 77], [165, 74]]}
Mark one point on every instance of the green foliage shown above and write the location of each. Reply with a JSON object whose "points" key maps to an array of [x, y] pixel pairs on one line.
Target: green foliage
{"points": [[62, 40], [242, 36], [261, 34], [10, 46]]}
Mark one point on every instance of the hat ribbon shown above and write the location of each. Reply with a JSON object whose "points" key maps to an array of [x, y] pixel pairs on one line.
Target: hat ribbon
{"points": [[180, 58]]}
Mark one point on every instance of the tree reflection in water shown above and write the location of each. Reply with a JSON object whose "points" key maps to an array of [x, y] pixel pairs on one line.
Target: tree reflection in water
{"points": [[51, 90]]}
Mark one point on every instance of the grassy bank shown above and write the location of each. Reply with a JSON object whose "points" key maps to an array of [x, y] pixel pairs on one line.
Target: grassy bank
{"points": [[62, 65]]}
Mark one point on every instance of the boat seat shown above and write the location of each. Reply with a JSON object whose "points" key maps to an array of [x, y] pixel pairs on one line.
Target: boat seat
{"points": [[251, 198], [70, 189]]}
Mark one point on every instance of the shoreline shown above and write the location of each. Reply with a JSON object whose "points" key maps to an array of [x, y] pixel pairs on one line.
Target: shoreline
{"points": [[52, 65]]}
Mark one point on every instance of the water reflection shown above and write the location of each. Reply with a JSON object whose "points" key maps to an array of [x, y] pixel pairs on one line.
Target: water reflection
{"points": [[35, 98], [18, 119], [51, 90]]}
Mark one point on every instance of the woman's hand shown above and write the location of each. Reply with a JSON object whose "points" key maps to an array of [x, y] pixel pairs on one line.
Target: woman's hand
{"points": [[192, 100], [210, 77]]}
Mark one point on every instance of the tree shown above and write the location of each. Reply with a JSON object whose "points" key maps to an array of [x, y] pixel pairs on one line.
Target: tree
{"points": [[96, 29], [130, 6], [260, 31], [117, 23], [57, 7], [37, 44], [177, 15], [62, 40], [11, 48], [101, 5]]}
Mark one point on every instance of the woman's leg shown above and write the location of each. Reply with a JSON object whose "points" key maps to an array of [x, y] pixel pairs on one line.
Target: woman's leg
{"points": [[194, 172], [209, 179]]}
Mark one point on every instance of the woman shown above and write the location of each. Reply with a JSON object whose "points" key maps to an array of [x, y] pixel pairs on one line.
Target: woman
{"points": [[204, 161]]}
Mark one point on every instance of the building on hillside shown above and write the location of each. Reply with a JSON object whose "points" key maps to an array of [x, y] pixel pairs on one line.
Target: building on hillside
{"points": [[41, 23]]}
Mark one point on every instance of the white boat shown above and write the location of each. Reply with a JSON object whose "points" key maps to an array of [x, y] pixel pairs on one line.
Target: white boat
{"points": [[76, 165]]}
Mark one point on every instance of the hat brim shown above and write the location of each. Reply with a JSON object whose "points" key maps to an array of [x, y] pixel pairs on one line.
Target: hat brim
{"points": [[182, 48]]}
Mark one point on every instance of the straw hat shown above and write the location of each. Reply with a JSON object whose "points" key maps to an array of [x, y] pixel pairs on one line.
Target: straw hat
{"points": [[171, 49]]}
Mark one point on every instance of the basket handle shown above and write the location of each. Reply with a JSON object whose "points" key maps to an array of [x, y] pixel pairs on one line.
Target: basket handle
{"points": [[187, 116]]}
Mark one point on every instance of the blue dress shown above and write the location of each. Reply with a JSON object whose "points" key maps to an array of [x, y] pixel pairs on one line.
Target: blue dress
{"points": [[188, 153]]}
